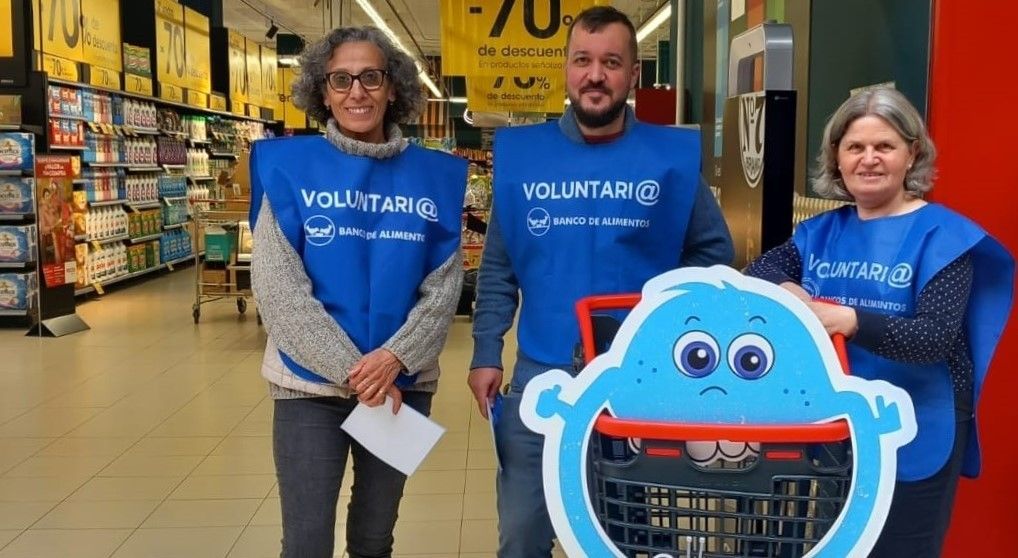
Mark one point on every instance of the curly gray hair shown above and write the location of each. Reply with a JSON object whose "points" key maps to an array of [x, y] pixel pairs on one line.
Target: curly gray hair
{"points": [[892, 107], [309, 88]]}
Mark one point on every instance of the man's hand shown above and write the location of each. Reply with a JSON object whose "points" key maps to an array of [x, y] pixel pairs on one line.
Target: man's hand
{"points": [[371, 377], [484, 383]]}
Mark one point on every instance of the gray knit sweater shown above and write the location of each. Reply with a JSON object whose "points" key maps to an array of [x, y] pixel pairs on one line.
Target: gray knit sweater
{"points": [[299, 325]]}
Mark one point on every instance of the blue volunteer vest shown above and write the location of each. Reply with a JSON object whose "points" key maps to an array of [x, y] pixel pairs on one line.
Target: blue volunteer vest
{"points": [[882, 265], [368, 230], [580, 220]]}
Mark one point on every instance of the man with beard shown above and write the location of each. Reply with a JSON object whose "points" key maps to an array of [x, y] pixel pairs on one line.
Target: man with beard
{"points": [[595, 203]]}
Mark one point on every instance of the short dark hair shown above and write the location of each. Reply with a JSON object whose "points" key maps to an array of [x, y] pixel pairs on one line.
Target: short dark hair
{"points": [[597, 18], [309, 88]]}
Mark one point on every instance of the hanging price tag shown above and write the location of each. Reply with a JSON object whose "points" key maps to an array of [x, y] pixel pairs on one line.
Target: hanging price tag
{"points": [[98, 288]]}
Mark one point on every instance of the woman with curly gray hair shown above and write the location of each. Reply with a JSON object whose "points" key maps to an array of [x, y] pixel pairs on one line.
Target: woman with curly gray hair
{"points": [[357, 273], [923, 296]]}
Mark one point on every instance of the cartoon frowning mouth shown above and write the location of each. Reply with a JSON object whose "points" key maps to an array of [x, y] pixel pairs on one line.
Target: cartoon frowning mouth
{"points": [[719, 388]]}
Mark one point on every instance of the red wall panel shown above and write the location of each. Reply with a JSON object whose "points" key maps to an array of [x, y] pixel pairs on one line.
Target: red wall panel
{"points": [[974, 122]]}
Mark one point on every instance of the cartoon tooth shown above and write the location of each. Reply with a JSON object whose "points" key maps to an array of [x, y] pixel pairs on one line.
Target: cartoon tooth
{"points": [[713, 346]]}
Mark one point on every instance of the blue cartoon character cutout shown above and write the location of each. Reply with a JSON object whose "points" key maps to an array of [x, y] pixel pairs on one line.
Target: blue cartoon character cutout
{"points": [[712, 346]]}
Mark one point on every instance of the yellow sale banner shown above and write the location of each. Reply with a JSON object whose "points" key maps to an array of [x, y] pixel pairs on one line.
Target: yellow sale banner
{"points": [[196, 41], [507, 37], [170, 60], [101, 34], [516, 94]]}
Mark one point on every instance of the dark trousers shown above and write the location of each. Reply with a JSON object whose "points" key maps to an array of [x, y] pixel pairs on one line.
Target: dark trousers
{"points": [[310, 452], [921, 511]]}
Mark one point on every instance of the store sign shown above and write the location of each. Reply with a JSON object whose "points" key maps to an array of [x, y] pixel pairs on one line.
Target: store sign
{"points": [[293, 117], [270, 89], [254, 72], [60, 68], [197, 99], [507, 37], [238, 68], [101, 33], [101, 77], [6, 23], [61, 28], [54, 174], [170, 58], [170, 92], [137, 84], [197, 49], [217, 102], [516, 94]]}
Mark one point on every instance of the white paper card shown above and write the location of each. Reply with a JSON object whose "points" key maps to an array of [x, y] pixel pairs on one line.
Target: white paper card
{"points": [[402, 440]]}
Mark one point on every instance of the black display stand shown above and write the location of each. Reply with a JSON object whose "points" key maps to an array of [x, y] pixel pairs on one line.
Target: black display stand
{"points": [[55, 315]]}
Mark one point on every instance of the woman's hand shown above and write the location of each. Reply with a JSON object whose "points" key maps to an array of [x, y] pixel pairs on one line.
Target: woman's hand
{"points": [[797, 290], [373, 376], [836, 318]]}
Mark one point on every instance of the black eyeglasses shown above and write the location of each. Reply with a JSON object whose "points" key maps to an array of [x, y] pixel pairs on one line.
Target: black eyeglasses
{"points": [[342, 81]]}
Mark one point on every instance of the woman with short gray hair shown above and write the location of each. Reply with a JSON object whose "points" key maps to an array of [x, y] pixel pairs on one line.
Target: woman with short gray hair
{"points": [[357, 272], [924, 294]]}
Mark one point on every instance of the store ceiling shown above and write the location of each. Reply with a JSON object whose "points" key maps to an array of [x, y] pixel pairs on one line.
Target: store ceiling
{"points": [[311, 18]]}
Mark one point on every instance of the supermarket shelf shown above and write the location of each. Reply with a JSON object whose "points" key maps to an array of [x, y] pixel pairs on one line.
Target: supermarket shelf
{"points": [[106, 202], [173, 134], [173, 198], [16, 217], [200, 178], [142, 130], [68, 116], [106, 165], [16, 265], [108, 282], [10, 127], [141, 168], [137, 206], [6, 312], [108, 240], [223, 155], [171, 227], [80, 181], [146, 238], [198, 142], [156, 100], [169, 167], [6, 172], [68, 147]]}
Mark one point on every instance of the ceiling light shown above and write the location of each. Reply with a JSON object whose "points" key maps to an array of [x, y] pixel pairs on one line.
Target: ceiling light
{"points": [[271, 33], [660, 16], [288, 61], [380, 23]]}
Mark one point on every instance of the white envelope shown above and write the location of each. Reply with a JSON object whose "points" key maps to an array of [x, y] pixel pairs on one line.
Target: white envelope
{"points": [[402, 440]]}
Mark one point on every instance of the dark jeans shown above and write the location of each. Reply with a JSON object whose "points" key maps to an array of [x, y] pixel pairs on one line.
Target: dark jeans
{"points": [[921, 511], [310, 451]]}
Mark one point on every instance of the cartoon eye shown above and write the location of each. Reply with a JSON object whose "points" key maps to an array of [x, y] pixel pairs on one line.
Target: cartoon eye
{"points": [[696, 354], [750, 356]]}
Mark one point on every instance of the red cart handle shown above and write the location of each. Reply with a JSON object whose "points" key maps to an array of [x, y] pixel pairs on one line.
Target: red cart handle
{"points": [[834, 431], [585, 307]]}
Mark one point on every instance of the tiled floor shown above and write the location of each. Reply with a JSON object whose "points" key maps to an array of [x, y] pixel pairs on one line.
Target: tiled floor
{"points": [[148, 436]]}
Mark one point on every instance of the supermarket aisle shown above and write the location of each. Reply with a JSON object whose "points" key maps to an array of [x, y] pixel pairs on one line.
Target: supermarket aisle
{"points": [[149, 437]]}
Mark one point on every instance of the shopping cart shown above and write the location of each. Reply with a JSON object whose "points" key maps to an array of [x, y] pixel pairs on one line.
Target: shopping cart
{"points": [[214, 284], [774, 492]]}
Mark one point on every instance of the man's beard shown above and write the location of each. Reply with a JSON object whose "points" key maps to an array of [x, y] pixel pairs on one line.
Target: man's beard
{"points": [[592, 119]]}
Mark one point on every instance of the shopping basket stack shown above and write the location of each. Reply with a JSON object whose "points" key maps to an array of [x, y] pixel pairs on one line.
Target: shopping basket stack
{"points": [[665, 488]]}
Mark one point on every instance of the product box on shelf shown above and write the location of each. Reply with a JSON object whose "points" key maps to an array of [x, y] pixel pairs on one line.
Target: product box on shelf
{"points": [[17, 151], [17, 290], [17, 195], [10, 110], [17, 243]]}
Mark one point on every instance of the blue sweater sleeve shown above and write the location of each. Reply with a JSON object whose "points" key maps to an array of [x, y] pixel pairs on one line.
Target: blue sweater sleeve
{"points": [[708, 241], [497, 299]]}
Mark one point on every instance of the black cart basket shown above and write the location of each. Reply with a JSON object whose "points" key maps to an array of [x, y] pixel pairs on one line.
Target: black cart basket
{"points": [[708, 490]]}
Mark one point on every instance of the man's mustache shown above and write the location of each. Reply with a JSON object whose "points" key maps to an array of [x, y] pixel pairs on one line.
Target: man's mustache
{"points": [[597, 88]]}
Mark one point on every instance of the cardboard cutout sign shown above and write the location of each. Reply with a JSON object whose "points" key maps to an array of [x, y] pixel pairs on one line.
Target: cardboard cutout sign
{"points": [[712, 346]]}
